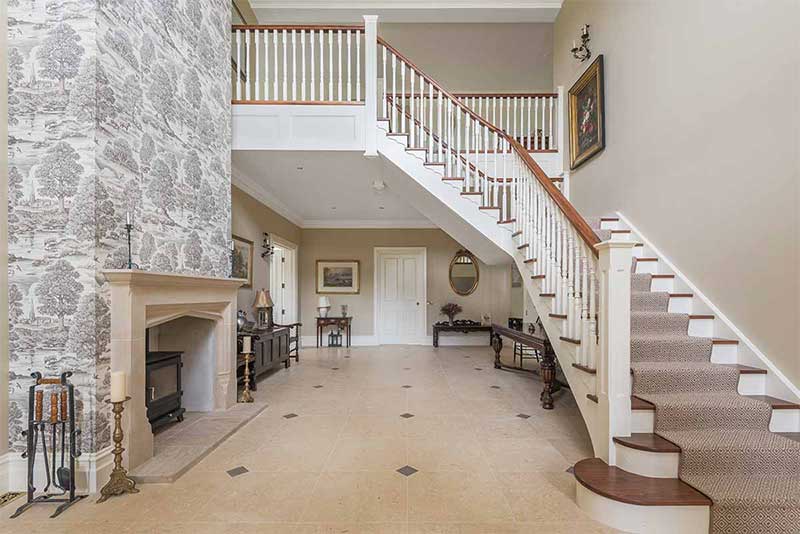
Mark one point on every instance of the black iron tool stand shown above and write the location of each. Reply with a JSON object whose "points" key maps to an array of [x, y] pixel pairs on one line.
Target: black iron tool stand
{"points": [[63, 423]]}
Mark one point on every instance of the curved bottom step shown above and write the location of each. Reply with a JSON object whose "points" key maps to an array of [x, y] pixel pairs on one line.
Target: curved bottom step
{"points": [[636, 503]]}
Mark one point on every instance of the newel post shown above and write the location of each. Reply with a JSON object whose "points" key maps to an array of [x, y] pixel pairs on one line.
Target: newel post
{"points": [[614, 369], [371, 81]]}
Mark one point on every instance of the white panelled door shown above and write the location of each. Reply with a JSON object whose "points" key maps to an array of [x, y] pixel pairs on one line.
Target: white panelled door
{"points": [[283, 285], [400, 295]]}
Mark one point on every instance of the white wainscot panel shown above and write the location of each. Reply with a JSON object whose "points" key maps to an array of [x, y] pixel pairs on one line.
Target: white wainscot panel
{"points": [[298, 127]]}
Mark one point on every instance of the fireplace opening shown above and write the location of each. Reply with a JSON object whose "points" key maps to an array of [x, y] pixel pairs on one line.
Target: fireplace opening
{"points": [[163, 390]]}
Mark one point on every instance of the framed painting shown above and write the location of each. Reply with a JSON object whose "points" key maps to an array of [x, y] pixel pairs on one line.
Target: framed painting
{"points": [[338, 276], [243, 259], [587, 133]]}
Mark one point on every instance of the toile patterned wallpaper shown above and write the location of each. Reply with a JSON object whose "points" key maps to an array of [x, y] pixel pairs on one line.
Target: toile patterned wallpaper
{"points": [[115, 106]]}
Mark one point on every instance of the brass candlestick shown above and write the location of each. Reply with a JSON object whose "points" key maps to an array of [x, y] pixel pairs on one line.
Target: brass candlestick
{"points": [[246, 395], [119, 482]]}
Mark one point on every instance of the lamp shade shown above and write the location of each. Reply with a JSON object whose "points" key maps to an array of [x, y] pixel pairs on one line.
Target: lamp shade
{"points": [[262, 300], [324, 302]]}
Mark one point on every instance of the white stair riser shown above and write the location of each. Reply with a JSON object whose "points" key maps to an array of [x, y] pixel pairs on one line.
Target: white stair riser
{"points": [[781, 421], [701, 327], [648, 464], [680, 305], [610, 225], [662, 284], [650, 267], [724, 353], [643, 519]]}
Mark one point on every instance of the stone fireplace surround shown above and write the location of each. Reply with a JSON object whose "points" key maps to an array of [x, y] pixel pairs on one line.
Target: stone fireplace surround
{"points": [[140, 300]]}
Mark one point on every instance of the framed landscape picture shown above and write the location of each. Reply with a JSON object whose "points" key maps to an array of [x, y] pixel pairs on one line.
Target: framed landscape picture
{"points": [[587, 134], [243, 259], [338, 276]]}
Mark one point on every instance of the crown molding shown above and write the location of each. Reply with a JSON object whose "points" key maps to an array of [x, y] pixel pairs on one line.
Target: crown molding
{"points": [[252, 188], [368, 223]]}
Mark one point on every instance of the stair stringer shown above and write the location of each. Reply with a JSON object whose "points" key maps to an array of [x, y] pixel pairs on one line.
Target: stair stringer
{"points": [[443, 204]]}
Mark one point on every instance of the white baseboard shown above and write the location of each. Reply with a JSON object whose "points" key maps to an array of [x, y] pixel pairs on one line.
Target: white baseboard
{"points": [[93, 471], [309, 342], [476, 339]]}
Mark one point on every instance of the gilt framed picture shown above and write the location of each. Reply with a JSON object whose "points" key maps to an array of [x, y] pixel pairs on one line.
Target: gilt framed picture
{"points": [[587, 133], [338, 277], [243, 259]]}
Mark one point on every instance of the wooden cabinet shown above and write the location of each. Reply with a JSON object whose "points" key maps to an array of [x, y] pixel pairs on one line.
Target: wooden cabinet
{"points": [[270, 349]]}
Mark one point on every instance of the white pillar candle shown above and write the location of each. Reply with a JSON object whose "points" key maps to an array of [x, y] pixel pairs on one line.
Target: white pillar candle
{"points": [[128, 218], [246, 346], [118, 386]]}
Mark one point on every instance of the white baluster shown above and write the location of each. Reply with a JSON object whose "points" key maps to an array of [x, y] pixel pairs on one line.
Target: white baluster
{"points": [[238, 64], [358, 66], [257, 84], [536, 140], [322, 65], [339, 51], [529, 124], [403, 121], [494, 110], [430, 122], [303, 63], [275, 94], [412, 139], [349, 72], [514, 131], [439, 97], [385, 114], [331, 75], [294, 66], [550, 144], [313, 66], [247, 65], [394, 94], [285, 44]]}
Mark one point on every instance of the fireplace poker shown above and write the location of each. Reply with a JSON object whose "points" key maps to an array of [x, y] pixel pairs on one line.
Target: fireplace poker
{"points": [[63, 474]]}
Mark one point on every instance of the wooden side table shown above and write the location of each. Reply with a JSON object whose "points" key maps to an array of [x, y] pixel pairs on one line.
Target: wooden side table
{"points": [[463, 328], [343, 323]]}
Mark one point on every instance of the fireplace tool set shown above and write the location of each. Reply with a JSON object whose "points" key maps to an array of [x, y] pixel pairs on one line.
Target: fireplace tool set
{"points": [[64, 442]]}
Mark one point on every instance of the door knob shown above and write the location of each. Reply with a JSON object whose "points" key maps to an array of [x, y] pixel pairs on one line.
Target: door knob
{"points": [[417, 303]]}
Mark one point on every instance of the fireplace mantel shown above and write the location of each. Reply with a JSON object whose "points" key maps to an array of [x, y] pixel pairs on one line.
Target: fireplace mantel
{"points": [[141, 299]]}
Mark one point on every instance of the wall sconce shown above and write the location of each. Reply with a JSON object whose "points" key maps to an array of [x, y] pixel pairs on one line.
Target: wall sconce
{"points": [[582, 52], [269, 248]]}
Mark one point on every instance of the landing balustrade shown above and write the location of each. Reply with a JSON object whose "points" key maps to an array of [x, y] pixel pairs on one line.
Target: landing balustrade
{"points": [[485, 142]]}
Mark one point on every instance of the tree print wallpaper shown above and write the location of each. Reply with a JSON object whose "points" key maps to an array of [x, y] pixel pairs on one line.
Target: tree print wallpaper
{"points": [[115, 107]]}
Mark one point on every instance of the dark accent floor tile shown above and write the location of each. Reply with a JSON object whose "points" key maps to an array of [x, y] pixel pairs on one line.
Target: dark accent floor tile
{"points": [[523, 416], [407, 470], [317, 387], [479, 368], [334, 368], [236, 471], [571, 470], [406, 386], [495, 387], [406, 415], [290, 415]]}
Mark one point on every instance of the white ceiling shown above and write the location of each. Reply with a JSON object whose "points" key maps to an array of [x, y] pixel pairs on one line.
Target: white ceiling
{"points": [[323, 189], [438, 11]]}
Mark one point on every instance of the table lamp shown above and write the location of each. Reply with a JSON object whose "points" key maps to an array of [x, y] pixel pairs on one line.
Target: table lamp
{"points": [[324, 306], [263, 305]]}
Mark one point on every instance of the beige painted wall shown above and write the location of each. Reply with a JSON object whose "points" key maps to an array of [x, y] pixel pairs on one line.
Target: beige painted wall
{"points": [[702, 116], [251, 219], [479, 57], [492, 294], [3, 237]]}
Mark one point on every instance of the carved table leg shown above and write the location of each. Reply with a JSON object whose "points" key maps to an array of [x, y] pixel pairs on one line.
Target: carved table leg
{"points": [[548, 371], [497, 345], [435, 337]]}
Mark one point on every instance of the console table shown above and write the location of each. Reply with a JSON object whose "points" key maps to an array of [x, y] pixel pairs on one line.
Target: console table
{"points": [[536, 341], [463, 328], [343, 323]]}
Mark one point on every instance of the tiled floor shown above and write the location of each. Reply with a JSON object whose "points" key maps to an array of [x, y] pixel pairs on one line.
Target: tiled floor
{"points": [[343, 458]]}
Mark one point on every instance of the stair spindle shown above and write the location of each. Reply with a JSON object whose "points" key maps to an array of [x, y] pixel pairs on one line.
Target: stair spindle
{"points": [[303, 64], [238, 64], [313, 66], [349, 72], [339, 72], [358, 66], [294, 65], [257, 82]]}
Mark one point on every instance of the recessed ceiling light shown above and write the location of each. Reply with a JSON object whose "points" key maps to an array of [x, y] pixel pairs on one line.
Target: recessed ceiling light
{"points": [[380, 207], [299, 168], [333, 207]]}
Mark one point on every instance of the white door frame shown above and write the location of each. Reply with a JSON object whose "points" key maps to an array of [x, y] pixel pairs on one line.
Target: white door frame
{"points": [[377, 252], [285, 243]]}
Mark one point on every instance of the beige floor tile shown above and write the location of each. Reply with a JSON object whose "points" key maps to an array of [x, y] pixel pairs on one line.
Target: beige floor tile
{"points": [[447, 455], [440, 427], [373, 454], [350, 528], [536, 497], [458, 496], [357, 497], [374, 426], [523, 455]]}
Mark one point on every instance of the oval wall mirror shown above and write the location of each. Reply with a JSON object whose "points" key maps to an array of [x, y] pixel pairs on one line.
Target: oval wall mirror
{"points": [[464, 273]]}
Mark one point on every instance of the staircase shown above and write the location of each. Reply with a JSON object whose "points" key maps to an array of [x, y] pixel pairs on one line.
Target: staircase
{"points": [[680, 420]]}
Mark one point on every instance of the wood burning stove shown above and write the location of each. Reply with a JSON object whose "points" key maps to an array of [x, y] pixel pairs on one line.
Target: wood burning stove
{"points": [[163, 388]]}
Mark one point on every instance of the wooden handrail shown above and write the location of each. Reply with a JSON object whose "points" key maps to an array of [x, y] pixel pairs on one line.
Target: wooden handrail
{"points": [[506, 95], [439, 88], [569, 211], [251, 27]]}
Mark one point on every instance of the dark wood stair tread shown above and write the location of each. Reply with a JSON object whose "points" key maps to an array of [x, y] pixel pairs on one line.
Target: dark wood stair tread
{"points": [[665, 276], [592, 397], [558, 315], [647, 442], [776, 403], [720, 341], [538, 277], [791, 435], [507, 221], [570, 340], [745, 369], [619, 485], [641, 404], [515, 234]]}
